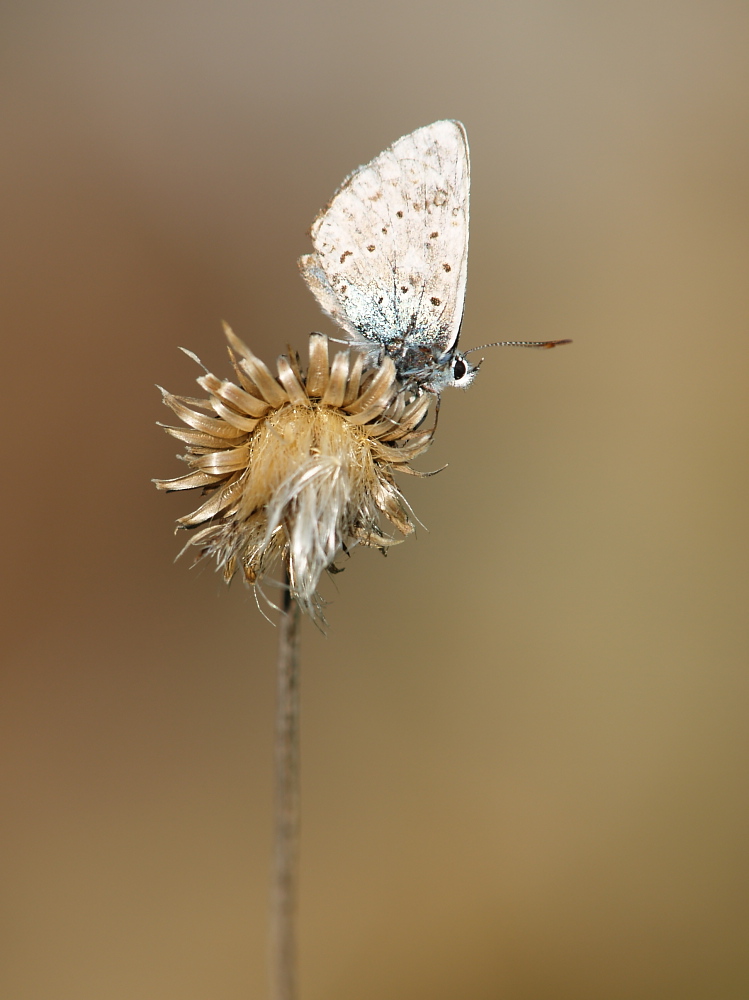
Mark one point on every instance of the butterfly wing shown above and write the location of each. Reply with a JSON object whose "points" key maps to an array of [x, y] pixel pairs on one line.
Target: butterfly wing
{"points": [[391, 248]]}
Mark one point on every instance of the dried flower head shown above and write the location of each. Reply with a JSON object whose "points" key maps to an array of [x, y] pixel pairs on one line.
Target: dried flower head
{"points": [[298, 468]]}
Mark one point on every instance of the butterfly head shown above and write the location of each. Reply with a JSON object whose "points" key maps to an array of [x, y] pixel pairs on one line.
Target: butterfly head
{"points": [[452, 371], [461, 372]]}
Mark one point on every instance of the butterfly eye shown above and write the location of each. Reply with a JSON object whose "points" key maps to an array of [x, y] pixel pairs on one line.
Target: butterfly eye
{"points": [[459, 369]]}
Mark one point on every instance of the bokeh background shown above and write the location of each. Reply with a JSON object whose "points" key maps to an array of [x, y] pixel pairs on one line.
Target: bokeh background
{"points": [[525, 735]]}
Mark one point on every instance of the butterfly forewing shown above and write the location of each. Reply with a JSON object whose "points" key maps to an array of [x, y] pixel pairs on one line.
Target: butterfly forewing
{"points": [[391, 248]]}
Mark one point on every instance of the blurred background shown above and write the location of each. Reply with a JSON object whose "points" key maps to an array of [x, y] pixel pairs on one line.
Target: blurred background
{"points": [[525, 735]]}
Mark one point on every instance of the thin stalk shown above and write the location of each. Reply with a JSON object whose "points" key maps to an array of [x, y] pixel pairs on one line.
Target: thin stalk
{"points": [[286, 835]]}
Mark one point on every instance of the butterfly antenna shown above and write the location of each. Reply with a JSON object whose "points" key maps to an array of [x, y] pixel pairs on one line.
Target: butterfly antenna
{"points": [[519, 343]]}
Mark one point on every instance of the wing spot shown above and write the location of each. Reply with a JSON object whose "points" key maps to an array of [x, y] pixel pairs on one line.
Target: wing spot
{"points": [[404, 288], [440, 197], [446, 267], [371, 248], [433, 236], [345, 254], [384, 229], [343, 289], [399, 214], [435, 301]]}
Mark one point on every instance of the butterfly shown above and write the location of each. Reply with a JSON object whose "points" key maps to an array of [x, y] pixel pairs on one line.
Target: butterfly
{"points": [[391, 254]]}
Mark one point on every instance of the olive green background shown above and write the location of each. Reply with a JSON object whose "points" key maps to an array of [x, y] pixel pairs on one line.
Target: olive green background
{"points": [[525, 736]]}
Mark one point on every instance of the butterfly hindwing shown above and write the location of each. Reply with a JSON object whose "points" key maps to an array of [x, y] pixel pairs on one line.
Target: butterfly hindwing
{"points": [[391, 248]]}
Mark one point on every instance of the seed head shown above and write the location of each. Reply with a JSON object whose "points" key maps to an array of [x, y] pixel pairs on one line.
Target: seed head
{"points": [[297, 469]]}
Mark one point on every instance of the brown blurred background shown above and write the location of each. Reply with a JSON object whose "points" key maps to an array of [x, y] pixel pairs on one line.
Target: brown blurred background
{"points": [[525, 736]]}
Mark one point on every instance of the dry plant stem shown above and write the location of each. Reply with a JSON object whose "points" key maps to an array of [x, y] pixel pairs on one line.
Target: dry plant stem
{"points": [[283, 967]]}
